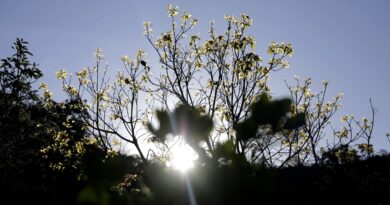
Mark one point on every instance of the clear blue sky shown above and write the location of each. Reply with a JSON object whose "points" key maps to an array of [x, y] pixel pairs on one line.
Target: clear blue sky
{"points": [[345, 42]]}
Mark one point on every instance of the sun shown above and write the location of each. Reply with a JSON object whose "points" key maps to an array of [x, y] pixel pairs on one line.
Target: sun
{"points": [[182, 157]]}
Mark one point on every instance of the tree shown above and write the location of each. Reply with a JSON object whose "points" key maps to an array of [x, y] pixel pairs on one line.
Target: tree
{"points": [[17, 73], [41, 141], [228, 62], [221, 77]]}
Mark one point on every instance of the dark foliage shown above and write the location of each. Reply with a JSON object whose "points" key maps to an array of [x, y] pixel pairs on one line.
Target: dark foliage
{"points": [[227, 178], [223, 176], [24, 130]]}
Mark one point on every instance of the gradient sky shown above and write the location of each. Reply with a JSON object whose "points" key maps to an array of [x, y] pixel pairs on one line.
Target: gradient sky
{"points": [[345, 42]]}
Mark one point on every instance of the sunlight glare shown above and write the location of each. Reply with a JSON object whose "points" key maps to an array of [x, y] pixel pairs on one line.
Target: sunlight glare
{"points": [[183, 157]]}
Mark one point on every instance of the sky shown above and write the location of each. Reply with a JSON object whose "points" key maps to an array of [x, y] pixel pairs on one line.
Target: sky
{"points": [[344, 41]]}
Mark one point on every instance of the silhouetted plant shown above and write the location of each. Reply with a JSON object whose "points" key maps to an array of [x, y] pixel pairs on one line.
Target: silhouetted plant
{"points": [[40, 140]]}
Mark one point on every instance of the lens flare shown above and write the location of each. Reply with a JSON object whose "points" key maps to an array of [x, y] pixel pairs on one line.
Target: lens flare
{"points": [[183, 157]]}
